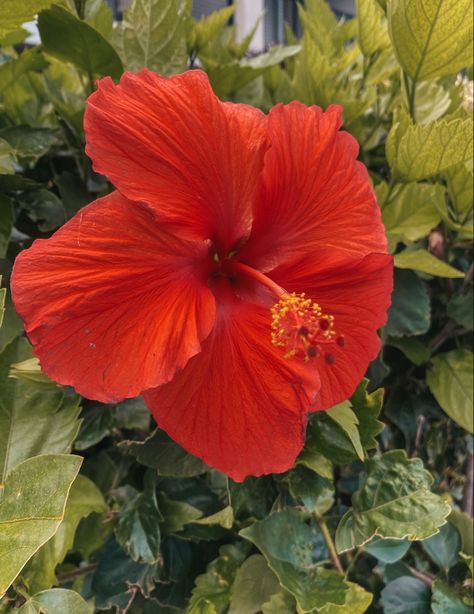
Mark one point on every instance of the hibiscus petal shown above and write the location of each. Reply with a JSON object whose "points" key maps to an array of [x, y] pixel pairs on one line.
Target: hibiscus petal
{"points": [[239, 405], [356, 291], [313, 192], [113, 304], [171, 143]]}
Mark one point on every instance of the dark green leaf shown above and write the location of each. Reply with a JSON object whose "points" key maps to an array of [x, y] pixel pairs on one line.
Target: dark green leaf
{"points": [[29, 143], [409, 313], [461, 309], [316, 492], [388, 550], [138, 527], [406, 595], [163, 454], [6, 223], [443, 548]]}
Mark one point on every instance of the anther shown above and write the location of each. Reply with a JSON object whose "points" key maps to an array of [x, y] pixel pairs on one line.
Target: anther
{"points": [[302, 329]]}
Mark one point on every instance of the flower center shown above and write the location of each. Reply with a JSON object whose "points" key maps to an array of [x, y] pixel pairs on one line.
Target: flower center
{"points": [[302, 329], [298, 324]]}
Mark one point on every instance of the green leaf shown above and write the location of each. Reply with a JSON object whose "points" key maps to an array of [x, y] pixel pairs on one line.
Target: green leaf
{"points": [[431, 101], [406, 595], [29, 371], [343, 415], [56, 601], [409, 313], [330, 440], [450, 380], [44, 208], [3, 292], [280, 603], [176, 514], [224, 518], [29, 143], [55, 415], [138, 527], [357, 601], [7, 158], [313, 459], [412, 213], [254, 584], [422, 260], [163, 454], [13, 70], [72, 40], [413, 349], [372, 27], [445, 600], [443, 548], [11, 325], [463, 524], [84, 499], [32, 508], [213, 587], [292, 548], [15, 13], [6, 222], [152, 34], [394, 501], [316, 492], [209, 27], [388, 550], [460, 188], [417, 151], [431, 38], [367, 407]]}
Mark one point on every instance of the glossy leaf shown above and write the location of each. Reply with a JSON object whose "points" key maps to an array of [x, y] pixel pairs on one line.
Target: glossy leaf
{"points": [[163, 454], [410, 312], [445, 600], [388, 550], [394, 501], [406, 595], [32, 508], [450, 380], [72, 40], [138, 527], [14, 14], [443, 548]]}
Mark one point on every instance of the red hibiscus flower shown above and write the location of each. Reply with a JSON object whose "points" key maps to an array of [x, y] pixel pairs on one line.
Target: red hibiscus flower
{"points": [[236, 278]]}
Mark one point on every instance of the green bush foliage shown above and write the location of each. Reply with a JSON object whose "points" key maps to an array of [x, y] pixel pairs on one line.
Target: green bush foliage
{"points": [[101, 512]]}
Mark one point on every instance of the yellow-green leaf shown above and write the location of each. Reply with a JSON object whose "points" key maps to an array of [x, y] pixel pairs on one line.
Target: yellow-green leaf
{"points": [[343, 415], [56, 601], [422, 260], [32, 508], [412, 212], [432, 38], [357, 601], [14, 13], [372, 27], [450, 380], [416, 151], [153, 35]]}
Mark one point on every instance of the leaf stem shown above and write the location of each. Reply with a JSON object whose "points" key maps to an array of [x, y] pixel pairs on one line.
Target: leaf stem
{"points": [[329, 543]]}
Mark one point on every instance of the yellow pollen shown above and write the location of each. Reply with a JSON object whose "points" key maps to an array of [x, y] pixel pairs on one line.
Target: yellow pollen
{"points": [[302, 329]]}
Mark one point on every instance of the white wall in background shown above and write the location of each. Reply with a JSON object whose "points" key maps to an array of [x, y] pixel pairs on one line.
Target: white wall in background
{"points": [[246, 14]]}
